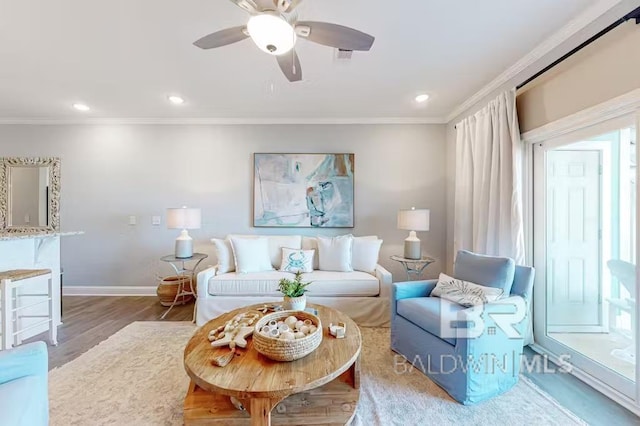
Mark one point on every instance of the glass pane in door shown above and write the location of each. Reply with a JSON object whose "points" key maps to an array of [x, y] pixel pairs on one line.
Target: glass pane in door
{"points": [[591, 249]]}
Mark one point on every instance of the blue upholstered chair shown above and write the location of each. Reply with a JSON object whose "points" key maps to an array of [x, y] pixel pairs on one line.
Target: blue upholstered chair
{"points": [[472, 353], [23, 385]]}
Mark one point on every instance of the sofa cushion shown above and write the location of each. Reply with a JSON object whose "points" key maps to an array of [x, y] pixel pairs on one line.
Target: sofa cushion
{"points": [[251, 254], [297, 260], [430, 314], [311, 243], [22, 404], [224, 254], [365, 253], [465, 293], [490, 271], [276, 243], [324, 283], [335, 253]]}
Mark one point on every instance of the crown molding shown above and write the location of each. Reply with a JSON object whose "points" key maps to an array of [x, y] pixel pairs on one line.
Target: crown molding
{"points": [[218, 121], [616, 107], [577, 24]]}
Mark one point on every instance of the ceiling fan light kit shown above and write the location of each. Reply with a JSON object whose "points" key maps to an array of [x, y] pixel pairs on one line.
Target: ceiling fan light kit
{"points": [[271, 33], [274, 34]]}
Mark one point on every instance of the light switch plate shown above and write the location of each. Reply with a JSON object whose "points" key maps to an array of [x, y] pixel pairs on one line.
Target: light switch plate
{"points": [[156, 220], [133, 220]]}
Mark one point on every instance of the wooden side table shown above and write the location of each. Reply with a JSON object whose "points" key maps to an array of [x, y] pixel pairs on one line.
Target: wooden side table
{"points": [[414, 267], [179, 265]]}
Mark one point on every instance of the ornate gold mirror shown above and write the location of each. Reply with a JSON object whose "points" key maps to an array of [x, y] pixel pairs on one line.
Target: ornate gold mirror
{"points": [[29, 194]]}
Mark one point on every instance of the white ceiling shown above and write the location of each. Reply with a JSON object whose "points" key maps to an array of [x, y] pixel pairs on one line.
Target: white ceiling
{"points": [[123, 57]]}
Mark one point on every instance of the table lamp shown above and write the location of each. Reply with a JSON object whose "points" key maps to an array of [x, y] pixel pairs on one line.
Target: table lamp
{"points": [[183, 218], [413, 220]]}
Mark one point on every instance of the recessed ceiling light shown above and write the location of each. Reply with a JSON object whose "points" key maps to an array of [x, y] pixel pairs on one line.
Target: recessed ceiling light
{"points": [[176, 100], [422, 98], [81, 107]]}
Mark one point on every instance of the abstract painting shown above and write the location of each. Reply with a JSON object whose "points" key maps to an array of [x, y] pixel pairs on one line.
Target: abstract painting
{"points": [[303, 190]]}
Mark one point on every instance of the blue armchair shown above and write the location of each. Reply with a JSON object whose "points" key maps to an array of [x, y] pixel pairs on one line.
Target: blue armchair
{"points": [[472, 353], [23, 385]]}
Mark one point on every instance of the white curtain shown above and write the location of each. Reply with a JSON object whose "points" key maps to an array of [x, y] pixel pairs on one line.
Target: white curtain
{"points": [[488, 189]]}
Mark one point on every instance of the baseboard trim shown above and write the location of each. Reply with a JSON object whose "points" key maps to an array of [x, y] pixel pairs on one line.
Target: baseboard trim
{"points": [[108, 291]]}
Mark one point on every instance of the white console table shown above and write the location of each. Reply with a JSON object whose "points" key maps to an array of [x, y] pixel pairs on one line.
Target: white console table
{"points": [[34, 251]]}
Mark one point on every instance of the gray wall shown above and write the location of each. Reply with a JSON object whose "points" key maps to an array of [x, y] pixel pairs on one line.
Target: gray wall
{"points": [[110, 172]]}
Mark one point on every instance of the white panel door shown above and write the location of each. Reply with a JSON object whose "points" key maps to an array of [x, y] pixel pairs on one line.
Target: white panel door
{"points": [[573, 240]]}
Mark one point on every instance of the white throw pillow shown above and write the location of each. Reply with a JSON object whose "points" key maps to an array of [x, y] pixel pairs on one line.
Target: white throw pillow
{"points": [[311, 243], [335, 253], [297, 260], [465, 293], [276, 244], [251, 254], [365, 254], [224, 254]]}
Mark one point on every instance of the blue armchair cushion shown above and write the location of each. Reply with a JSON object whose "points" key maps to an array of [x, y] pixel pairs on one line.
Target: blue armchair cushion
{"points": [[19, 404], [430, 313], [23, 385], [489, 271]]}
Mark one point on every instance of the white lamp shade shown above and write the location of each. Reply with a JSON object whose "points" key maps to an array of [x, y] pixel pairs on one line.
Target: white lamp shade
{"points": [[413, 219], [183, 218], [271, 33]]}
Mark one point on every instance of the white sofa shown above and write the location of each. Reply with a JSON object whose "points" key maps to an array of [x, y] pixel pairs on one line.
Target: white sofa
{"points": [[364, 296]]}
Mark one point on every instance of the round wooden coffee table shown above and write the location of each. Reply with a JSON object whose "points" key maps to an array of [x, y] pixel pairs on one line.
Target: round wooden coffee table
{"points": [[321, 388]]}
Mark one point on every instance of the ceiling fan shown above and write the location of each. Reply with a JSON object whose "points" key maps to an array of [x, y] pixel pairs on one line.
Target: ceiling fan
{"points": [[275, 31]]}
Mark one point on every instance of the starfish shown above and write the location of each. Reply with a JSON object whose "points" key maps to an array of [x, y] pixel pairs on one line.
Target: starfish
{"points": [[234, 338]]}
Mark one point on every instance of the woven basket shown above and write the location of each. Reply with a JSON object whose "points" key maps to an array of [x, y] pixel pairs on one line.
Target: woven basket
{"points": [[168, 287], [287, 350]]}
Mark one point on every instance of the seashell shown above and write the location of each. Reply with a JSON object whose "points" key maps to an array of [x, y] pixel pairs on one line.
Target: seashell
{"points": [[287, 335], [274, 332], [291, 321], [283, 327]]}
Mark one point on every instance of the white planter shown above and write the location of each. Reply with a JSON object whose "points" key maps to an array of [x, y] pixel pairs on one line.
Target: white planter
{"points": [[295, 303]]}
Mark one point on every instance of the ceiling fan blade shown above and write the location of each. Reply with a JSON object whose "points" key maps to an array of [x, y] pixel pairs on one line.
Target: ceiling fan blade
{"points": [[286, 6], [222, 38], [336, 35], [290, 66], [247, 5]]}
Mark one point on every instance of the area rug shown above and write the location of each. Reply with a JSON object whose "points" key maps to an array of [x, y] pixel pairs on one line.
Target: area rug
{"points": [[136, 377]]}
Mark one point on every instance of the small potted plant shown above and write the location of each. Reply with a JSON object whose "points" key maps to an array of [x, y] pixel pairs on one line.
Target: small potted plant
{"points": [[294, 292]]}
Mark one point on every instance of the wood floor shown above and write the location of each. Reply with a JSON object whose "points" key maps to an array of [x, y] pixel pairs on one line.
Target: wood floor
{"points": [[89, 320]]}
